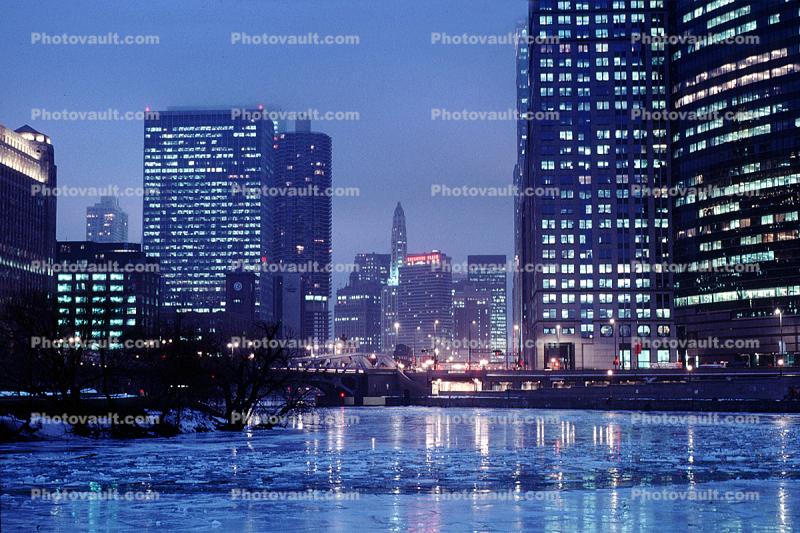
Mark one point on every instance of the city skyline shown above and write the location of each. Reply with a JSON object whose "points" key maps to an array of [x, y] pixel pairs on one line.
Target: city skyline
{"points": [[344, 265], [440, 158]]}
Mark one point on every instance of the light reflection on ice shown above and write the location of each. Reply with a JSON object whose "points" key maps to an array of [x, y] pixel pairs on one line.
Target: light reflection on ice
{"points": [[405, 462]]}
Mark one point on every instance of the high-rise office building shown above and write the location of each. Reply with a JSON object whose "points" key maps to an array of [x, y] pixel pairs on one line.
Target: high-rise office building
{"points": [[388, 318], [584, 234], [302, 220], [107, 293], [488, 274], [27, 212], [106, 221], [371, 267], [736, 173], [357, 315], [205, 172], [472, 322], [523, 98], [425, 302]]}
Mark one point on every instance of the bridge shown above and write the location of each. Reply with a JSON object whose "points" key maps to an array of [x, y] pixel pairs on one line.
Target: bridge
{"points": [[363, 379]]}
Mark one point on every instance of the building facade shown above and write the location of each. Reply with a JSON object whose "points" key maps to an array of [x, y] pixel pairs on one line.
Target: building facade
{"points": [[106, 221], [107, 293], [27, 212], [472, 323], [357, 316], [205, 212], [489, 274], [521, 231], [301, 235], [736, 171], [425, 303], [590, 294], [358, 312]]}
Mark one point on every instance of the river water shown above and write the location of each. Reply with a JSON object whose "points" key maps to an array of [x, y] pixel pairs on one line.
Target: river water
{"points": [[421, 469]]}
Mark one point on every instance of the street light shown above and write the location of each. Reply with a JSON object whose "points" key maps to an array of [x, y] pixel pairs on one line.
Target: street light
{"points": [[435, 324], [469, 346], [414, 348], [779, 313], [614, 334], [514, 346], [558, 341], [780, 366]]}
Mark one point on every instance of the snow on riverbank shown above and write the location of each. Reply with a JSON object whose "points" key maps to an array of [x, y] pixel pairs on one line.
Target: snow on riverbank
{"points": [[62, 427]]}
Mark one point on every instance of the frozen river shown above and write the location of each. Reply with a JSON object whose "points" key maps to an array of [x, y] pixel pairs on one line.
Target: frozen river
{"points": [[420, 469]]}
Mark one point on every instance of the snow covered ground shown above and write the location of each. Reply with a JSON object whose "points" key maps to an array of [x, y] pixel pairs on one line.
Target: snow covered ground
{"points": [[419, 469]]}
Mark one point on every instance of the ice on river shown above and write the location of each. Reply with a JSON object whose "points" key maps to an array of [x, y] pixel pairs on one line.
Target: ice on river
{"points": [[421, 469]]}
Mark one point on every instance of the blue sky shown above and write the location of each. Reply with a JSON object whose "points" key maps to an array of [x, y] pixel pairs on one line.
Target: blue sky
{"points": [[393, 78]]}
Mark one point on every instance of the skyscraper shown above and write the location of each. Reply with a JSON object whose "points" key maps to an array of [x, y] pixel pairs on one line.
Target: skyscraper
{"points": [[106, 221], [399, 246], [204, 208], [357, 315], [27, 212], [302, 220], [425, 301], [488, 274], [371, 267], [585, 234], [472, 322], [522, 47], [399, 243], [736, 172]]}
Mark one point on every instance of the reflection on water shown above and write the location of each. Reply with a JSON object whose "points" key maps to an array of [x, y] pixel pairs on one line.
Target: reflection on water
{"points": [[420, 469]]}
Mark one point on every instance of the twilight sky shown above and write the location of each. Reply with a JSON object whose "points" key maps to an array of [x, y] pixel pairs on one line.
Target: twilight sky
{"points": [[393, 78]]}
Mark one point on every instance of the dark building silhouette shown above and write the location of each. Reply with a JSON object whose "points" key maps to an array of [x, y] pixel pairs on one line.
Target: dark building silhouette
{"points": [[301, 234]]}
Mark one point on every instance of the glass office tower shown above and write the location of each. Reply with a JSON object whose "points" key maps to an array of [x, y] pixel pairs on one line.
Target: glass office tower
{"points": [[593, 290], [488, 274], [736, 174], [205, 213]]}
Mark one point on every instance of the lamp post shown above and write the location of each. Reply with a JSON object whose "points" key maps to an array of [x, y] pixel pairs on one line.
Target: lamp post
{"points": [[435, 345], [396, 334], [414, 348], [514, 345], [469, 346], [780, 321], [614, 334], [558, 343]]}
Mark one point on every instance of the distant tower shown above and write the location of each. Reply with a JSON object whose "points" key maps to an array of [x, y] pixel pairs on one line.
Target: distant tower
{"points": [[106, 221], [399, 244]]}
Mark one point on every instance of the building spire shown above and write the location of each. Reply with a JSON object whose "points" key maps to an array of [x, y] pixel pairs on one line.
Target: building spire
{"points": [[399, 244]]}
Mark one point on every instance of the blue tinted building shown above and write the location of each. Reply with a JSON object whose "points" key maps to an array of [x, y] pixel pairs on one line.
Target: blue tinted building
{"points": [[205, 213], [736, 171]]}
